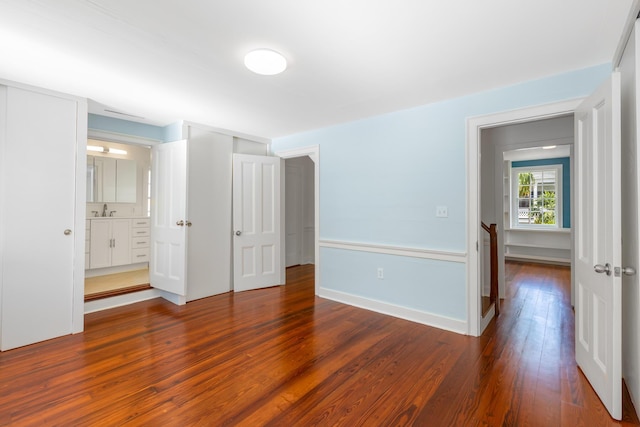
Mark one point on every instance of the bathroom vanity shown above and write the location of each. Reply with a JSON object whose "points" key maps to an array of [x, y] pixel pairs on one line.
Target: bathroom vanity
{"points": [[116, 241]]}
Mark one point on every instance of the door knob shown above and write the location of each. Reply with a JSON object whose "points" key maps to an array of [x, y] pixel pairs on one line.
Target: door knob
{"points": [[188, 224], [180, 223], [599, 268], [238, 233], [67, 232], [629, 271]]}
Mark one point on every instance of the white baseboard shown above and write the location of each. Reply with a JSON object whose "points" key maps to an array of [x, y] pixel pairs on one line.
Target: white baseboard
{"points": [[410, 314]]}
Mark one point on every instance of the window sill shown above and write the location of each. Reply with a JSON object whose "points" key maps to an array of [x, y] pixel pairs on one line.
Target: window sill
{"points": [[540, 230]]}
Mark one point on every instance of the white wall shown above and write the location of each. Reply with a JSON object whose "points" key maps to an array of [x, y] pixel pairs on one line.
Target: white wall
{"points": [[630, 231]]}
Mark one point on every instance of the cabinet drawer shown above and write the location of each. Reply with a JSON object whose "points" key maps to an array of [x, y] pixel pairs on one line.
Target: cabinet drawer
{"points": [[140, 242], [140, 232], [140, 222], [139, 255]]}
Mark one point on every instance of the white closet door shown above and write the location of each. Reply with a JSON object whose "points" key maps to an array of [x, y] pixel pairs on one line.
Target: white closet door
{"points": [[256, 222], [37, 216]]}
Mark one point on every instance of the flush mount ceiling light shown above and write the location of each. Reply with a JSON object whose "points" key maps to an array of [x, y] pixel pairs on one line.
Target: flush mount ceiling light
{"points": [[265, 61]]}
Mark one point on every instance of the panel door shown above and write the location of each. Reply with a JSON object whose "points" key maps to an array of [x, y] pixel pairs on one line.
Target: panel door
{"points": [[256, 221], [598, 306], [37, 246], [167, 262]]}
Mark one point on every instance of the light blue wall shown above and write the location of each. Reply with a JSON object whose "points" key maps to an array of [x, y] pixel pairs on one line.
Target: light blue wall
{"points": [[126, 127], [566, 182], [381, 179]]}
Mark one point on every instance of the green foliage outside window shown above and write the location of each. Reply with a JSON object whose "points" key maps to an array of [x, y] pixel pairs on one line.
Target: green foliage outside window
{"points": [[537, 198]]}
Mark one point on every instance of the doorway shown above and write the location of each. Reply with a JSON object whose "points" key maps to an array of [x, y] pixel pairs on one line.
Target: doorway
{"points": [[117, 224], [475, 126], [299, 212], [309, 157], [526, 181]]}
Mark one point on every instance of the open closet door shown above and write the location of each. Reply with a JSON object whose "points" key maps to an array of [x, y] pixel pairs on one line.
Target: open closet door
{"points": [[257, 257], [167, 263], [598, 245]]}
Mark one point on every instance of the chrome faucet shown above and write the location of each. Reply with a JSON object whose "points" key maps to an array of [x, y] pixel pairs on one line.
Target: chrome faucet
{"points": [[104, 210]]}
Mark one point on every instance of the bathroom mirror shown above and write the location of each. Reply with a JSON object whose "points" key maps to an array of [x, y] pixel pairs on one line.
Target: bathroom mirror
{"points": [[111, 180]]}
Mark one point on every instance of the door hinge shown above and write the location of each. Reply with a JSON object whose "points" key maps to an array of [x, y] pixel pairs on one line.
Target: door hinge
{"points": [[477, 249]]}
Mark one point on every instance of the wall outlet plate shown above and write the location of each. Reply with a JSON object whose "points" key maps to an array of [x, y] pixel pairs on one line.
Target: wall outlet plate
{"points": [[442, 212]]}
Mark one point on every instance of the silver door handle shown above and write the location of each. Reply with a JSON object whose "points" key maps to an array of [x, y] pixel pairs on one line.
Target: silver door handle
{"points": [[629, 271], [238, 233], [188, 224], [180, 223], [599, 268], [67, 232]]}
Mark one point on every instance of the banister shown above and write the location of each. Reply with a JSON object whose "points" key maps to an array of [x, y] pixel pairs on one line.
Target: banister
{"points": [[493, 239]]}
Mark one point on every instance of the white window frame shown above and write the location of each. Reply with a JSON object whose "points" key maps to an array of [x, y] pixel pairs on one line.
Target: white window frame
{"points": [[514, 197]]}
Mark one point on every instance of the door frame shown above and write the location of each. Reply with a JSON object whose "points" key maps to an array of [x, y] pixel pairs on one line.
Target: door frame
{"points": [[474, 127], [313, 151]]}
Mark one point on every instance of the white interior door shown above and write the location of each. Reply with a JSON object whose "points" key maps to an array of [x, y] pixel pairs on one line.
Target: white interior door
{"points": [[37, 250], [598, 243], [256, 221], [167, 262]]}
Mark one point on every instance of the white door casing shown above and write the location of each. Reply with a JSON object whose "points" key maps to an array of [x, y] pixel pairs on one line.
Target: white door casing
{"points": [[475, 233], [598, 242], [167, 260], [313, 152], [257, 209]]}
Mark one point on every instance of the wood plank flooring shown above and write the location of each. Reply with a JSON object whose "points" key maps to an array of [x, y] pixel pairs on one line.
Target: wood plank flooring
{"points": [[283, 357], [110, 282]]}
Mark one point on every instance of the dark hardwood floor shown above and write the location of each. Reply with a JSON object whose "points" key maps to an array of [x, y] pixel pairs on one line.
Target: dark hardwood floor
{"points": [[283, 357]]}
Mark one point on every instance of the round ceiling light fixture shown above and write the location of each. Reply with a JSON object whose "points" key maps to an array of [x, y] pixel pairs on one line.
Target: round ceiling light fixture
{"points": [[265, 61]]}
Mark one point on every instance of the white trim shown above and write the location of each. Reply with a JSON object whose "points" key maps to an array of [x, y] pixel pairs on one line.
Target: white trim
{"points": [[121, 300], [513, 196], [460, 257], [474, 126], [77, 322], [413, 315], [104, 135], [484, 321], [313, 152], [626, 33], [228, 132]]}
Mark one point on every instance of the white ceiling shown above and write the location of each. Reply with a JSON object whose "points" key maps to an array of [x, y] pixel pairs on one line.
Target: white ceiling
{"points": [[348, 59]]}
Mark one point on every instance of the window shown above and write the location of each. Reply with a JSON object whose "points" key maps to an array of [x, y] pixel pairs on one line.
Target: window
{"points": [[535, 196]]}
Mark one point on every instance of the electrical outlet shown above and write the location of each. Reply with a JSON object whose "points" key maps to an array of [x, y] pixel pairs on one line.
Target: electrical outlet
{"points": [[442, 212], [380, 273]]}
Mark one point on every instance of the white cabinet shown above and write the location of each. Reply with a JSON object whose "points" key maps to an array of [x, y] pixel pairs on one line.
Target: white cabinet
{"points": [[110, 242], [140, 240], [40, 283]]}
